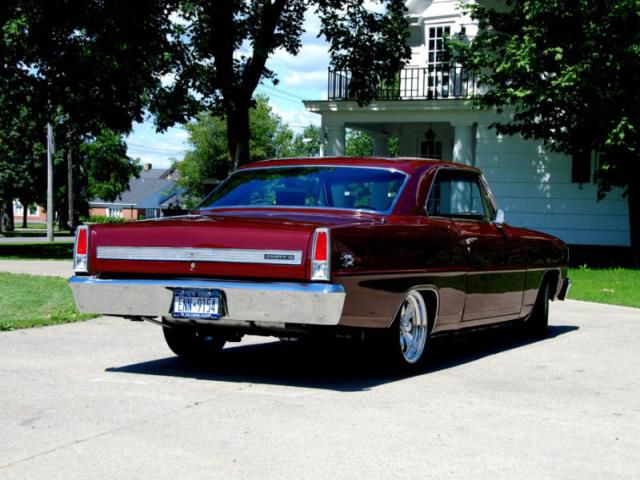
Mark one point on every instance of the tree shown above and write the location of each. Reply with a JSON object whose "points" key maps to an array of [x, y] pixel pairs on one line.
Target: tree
{"points": [[570, 69], [208, 161], [305, 144], [358, 144], [90, 64], [225, 46]]}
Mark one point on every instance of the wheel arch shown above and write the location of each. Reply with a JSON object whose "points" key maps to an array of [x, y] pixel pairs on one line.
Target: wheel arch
{"points": [[552, 277], [431, 297]]}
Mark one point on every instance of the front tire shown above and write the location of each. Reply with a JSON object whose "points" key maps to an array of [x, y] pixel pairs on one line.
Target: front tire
{"points": [[538, 322], [193, 344]]}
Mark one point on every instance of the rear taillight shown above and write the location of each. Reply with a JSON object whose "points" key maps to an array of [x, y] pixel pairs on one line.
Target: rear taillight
{"points": [[81, 250], [321, 255]]}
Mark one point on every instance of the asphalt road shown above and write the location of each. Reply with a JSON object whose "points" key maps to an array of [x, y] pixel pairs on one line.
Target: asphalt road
{"points": [[105, 399]]}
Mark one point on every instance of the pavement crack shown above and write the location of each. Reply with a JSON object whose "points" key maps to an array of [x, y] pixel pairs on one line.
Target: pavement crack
{"points": [[143, 421]]}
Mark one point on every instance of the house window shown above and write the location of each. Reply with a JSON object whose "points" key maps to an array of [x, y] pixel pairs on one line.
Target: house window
{"points": [[17, 209], [151, 213], [33, 210], [115, 212], [431, 149], [437, 63]]}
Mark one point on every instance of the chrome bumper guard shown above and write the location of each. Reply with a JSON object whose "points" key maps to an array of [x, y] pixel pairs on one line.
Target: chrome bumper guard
{"points": [[260, 302], [564, 290]]}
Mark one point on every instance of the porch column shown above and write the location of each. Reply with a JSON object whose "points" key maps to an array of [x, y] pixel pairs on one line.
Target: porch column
{"points": [[334, 140], [463, 144], [381, 145]]}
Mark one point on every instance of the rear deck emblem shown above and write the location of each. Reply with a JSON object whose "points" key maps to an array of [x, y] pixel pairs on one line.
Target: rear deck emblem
{"points": [[278, 256], [347, 260]]}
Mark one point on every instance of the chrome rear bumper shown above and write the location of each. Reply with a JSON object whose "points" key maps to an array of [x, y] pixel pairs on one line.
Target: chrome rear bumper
{"points": [[260, 302]]}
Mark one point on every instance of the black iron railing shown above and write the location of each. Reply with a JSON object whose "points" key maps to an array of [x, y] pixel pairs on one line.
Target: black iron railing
{"points": [[412, 83]]}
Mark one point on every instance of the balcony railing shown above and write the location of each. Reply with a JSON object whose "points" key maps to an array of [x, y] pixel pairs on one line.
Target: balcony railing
{"points": [[413, 83]]}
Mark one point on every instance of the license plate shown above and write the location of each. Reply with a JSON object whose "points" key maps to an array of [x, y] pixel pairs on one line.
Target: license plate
{"points": [[197, 303]]}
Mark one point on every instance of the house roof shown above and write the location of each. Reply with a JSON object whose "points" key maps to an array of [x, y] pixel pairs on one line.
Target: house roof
{"points": [[151, 190]]}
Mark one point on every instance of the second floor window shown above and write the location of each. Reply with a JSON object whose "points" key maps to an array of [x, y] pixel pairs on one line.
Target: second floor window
{"points": [[437, 62]]}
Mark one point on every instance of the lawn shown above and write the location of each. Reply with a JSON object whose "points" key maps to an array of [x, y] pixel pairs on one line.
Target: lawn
{"points": [[34, 301], [37, 251], [616, 286]]}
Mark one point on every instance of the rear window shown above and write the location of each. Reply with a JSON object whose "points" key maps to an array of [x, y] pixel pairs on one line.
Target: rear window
{"points": [[359, 188]]}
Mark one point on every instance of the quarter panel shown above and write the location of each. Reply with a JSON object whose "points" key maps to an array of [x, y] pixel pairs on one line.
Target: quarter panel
{"points": [[378, 264]]}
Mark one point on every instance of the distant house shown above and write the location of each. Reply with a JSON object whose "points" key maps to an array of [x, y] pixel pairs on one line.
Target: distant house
{"points": [[431, 112], [35, 213], [155, 194]]}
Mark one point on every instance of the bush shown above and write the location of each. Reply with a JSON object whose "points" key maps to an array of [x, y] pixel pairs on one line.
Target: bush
{"points": [[102, 219]]}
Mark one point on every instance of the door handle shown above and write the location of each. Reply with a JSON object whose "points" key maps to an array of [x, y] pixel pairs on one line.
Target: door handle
{"points": [[469, 241]]}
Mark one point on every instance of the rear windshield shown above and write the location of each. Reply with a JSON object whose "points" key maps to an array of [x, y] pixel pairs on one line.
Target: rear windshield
{"points": [[359, 188]]}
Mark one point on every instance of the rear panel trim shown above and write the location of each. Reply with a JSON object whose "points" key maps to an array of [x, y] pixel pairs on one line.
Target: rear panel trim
{"points": [[214, 255]]}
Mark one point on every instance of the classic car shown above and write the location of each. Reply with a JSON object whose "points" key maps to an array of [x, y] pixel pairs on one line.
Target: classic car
{"points": [[393, 249]]}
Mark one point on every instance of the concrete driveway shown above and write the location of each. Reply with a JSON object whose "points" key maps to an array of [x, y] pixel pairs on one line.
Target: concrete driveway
{"points": [[106, 399]]}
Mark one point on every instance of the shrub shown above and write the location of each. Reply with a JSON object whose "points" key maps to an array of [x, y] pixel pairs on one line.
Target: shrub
{"points": [[103, 219]]}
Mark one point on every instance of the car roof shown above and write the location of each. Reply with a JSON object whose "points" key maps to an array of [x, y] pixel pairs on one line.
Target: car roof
{"points": [[405, 164]]}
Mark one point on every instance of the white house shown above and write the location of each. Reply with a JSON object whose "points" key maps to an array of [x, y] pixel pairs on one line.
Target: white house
{"points": [[432, 115]]}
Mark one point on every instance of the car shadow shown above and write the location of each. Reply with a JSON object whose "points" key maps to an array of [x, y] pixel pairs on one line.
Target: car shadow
{"points": [[339, 366]]}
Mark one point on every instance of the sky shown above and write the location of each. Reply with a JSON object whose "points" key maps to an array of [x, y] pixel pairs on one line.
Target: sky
{"points": [[303, 77]]}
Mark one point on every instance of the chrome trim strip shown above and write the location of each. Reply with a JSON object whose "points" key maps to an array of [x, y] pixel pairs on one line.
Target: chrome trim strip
{"points": [[226, 255]]}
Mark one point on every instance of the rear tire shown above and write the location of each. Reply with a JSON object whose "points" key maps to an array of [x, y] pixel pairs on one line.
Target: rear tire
{"points": [[537, 323], [193, 344], [406, 341]]}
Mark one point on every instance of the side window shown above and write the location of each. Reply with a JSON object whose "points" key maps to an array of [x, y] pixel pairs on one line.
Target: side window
{"points": [[457, 194]]}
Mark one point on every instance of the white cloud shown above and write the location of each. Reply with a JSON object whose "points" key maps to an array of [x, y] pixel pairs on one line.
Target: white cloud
{"points": [[305, 78], [297, 119], [311, 57], [159, 149]]}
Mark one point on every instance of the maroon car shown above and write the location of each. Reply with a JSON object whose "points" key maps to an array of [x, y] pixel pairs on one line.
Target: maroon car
{"points": [[396, 249]]}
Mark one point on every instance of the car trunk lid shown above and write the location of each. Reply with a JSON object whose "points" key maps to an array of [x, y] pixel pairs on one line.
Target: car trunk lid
{"points": [[229, 244]]}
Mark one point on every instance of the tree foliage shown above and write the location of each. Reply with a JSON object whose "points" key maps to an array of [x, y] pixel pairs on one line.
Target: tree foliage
{"points": [[570, 69], [225, 46], [305, 144], [92, 63], [82, 65], [208, 162]]}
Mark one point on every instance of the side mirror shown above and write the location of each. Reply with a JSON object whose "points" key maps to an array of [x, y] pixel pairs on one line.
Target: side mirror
{"points": [[499, 220]]}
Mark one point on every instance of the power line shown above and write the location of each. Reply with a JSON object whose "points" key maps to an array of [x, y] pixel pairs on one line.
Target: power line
{"points": [[273, 89]]}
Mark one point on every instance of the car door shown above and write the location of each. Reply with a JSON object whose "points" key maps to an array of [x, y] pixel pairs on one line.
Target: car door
{"points": [[495, 277]]}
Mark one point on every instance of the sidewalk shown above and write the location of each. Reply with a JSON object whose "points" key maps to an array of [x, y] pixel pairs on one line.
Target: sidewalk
{"points": [[32, 239], [51, 268]]}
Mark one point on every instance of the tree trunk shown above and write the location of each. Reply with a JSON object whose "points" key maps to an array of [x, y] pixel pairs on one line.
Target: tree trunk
{"points": [[238, 135], [6, 215], [25, 211], [633, 197]]}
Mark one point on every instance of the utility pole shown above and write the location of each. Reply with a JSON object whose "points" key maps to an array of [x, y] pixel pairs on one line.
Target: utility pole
{"points": [[50, 151], [71, 221]]}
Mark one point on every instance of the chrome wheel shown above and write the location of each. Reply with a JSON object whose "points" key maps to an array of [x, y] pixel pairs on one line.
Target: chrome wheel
{"points": [[413, 327]]}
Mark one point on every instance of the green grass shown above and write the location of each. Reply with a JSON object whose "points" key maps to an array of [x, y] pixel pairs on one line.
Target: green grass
{"points": [[36, 251], [36, 230], [34, 301], [615, 286]]}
